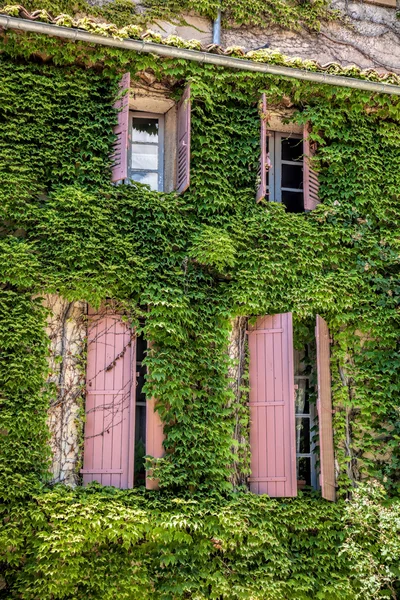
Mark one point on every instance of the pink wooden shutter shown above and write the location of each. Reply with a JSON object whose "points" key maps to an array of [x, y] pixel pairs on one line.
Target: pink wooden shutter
{"points": [[184, 120], [310, 177], [262, 171], [154, 438], [110, 401], [120, 155], [324, 408], [272, 412]]}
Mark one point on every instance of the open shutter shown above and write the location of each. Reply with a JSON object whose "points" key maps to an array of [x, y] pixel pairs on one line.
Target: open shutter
{"points": [[154, 438], [110, 401], [272, 411], [183, 166], [120, 155], [262, 170], [324, 408], [310, 183]]}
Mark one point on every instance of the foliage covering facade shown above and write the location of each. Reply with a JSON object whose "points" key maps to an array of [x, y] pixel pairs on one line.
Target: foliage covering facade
{"points": [[191, 264]]}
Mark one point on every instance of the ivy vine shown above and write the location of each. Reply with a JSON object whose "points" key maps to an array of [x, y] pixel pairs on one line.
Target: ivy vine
{"points": [[196, 261]]}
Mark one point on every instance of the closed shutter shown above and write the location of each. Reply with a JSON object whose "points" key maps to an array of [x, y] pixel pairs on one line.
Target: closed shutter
{"points": [[272, 422], [183, 154], [110, 401], [120, 155], [262, 170], [310, 183], [324, 409]]}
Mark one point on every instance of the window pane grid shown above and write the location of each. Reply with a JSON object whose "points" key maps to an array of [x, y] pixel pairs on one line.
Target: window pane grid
{"points": [[304, 415], [146, 154], [285, 177]]}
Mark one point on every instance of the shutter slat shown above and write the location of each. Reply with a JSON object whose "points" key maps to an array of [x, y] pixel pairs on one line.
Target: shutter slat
{"points": [[110, 403], [119, 169], [310, 183], [272, 423], [262, 169], [324, 408], [183, 127]]}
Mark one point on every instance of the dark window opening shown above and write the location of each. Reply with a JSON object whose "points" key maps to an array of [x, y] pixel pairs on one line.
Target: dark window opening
{"points": [[140, 411], [285, 174], [305, 420]]}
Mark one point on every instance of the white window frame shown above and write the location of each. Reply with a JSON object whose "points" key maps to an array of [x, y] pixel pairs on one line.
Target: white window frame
{"points": [[161, 127], [311, 415]]}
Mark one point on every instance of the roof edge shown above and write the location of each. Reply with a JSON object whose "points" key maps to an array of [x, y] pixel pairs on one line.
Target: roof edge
{"points": [[255, 61]]}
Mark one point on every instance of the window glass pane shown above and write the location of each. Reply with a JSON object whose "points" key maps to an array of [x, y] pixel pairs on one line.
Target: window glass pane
{"points": [[144, 130], [303, 435], [145, 156], [292, 176], [303, 471], [293, 201], [302, 402], [150, 178], [292, 149]]}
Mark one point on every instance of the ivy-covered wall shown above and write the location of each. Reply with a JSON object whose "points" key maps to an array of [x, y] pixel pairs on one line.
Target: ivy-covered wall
{"points": [[193, 263]]}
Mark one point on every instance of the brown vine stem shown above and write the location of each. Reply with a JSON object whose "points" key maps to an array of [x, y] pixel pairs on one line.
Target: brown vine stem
{"points": [[366, 55]]}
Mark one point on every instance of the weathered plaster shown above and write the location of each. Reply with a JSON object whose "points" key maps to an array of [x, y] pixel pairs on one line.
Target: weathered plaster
{"points": [[197, 28], [370, 38], [67, 332]]}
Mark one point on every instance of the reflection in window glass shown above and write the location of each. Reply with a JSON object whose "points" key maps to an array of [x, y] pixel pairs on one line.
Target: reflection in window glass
{"points": [[145, 156], [150, 179], [302, 401], [303, 435], [292, 149], [292, 177], [145, 130]]}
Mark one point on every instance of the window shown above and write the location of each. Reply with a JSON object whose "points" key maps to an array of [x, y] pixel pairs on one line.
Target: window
{"points": [[305, 420], [285, 172], [146, 149], [152, 143], [122, 425], [281, 413]]}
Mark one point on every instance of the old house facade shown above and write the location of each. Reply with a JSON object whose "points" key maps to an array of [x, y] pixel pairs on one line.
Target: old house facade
{"points": [[200, 300]]}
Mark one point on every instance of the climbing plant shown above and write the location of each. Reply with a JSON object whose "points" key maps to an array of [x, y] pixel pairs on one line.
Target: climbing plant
{"points": [[193, 262], [290, 14]]}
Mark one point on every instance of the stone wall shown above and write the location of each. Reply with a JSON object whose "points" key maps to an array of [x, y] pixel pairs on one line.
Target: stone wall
{"points": [[369, 37]]}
